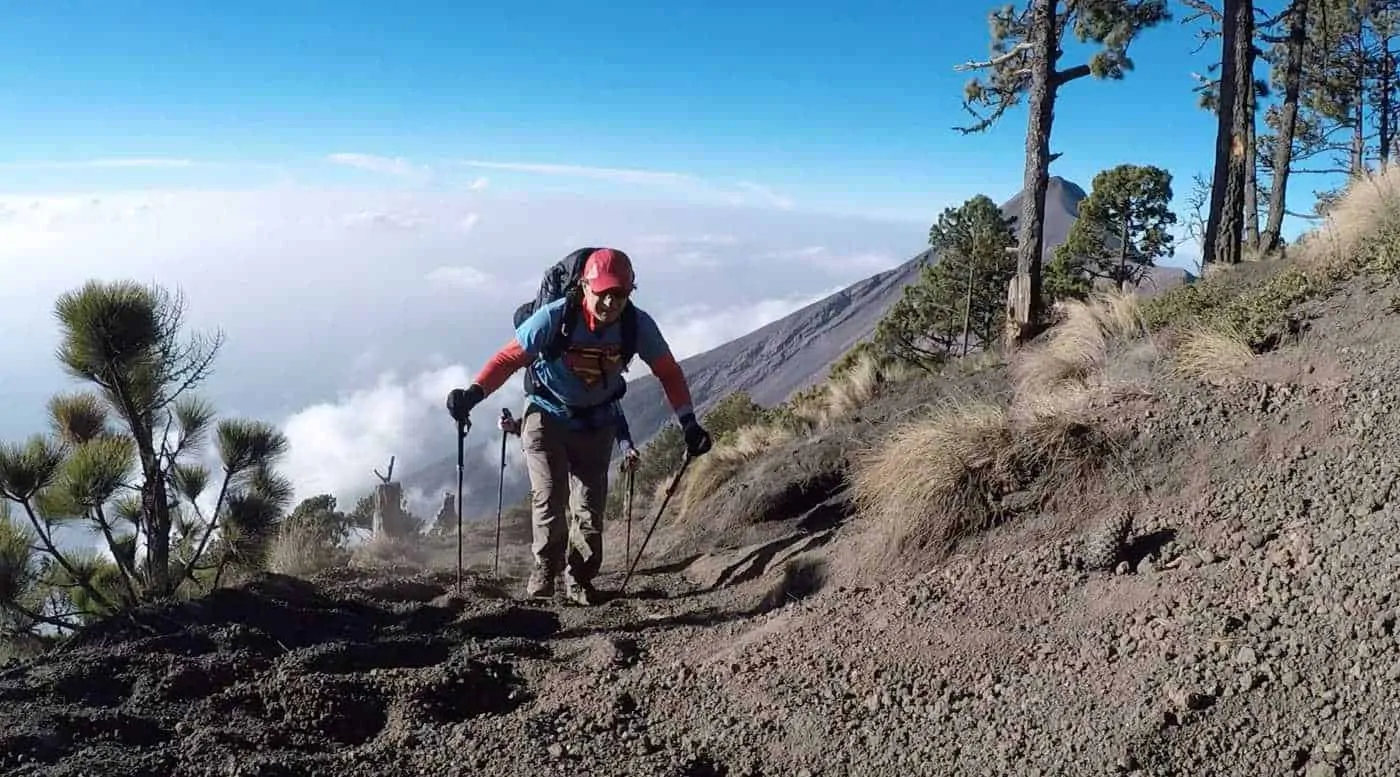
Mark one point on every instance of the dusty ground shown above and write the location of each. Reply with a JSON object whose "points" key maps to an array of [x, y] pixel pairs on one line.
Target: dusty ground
{"points": [[1251, 630]]}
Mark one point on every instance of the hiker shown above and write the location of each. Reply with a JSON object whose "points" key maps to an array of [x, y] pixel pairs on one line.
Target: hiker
{"points": [[575, 341]]}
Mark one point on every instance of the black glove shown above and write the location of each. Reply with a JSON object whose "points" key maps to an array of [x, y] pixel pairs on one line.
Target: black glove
{"points": [[697, 440], [461, 401]]}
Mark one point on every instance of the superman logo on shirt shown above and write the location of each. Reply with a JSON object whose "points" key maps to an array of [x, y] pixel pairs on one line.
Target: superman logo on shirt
{"points": [[589, 363]]}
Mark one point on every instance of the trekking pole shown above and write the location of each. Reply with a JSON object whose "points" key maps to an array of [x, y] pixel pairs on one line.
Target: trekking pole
{"points": [[462, 427], [670, 489], [500, 492], [631, 482]]}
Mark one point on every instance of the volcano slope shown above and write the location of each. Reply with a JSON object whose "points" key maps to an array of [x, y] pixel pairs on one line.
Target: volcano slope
{"points": [[1165, 554]]}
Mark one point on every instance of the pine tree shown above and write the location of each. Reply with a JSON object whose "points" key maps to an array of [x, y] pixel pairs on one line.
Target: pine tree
{"points": [[959, 294], [1026, 51], [1283, 119], [1122, 227], [1225, 222]]}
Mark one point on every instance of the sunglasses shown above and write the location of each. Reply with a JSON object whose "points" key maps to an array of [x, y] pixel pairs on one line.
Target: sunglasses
{"points": [[613, 295]]}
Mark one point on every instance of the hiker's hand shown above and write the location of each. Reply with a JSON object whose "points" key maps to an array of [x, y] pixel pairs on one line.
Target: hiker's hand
{"points": [[630, 459], [508, 425], [697, 440], [461, 401]]}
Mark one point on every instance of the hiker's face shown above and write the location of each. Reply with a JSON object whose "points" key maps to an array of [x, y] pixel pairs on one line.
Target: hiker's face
{"points": [[607, 305]]}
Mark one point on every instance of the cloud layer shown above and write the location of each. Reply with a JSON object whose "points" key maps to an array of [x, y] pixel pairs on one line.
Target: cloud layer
{"points": [[348, 314]]}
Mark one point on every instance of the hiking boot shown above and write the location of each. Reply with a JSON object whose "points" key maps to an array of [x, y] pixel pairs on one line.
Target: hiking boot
{"points": [[541, 585], [583, 594]]}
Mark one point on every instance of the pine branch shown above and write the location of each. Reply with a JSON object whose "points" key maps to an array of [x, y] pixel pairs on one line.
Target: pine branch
{"points": [[188, 569], [1202, 9], [996, 61], [57, 621], [61, 559], [1062, 77], [127, 573]]}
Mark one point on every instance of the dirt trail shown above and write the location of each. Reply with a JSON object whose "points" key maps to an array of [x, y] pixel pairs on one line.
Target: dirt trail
{"points": [[1251, 630]]}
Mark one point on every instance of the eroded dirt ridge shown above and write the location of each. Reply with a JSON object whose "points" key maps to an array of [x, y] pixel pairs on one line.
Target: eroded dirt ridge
{"points": [[275, 666]]}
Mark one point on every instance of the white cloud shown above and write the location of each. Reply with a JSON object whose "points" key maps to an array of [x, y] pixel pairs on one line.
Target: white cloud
{"points": [[479, 184], [836, 261], [616, 174], [336, 445], [460, 277], [767, 195], [661, 242], [385, 219], [699, 252], [468, 222], [395, 166], [742, 193], [696, 259]]}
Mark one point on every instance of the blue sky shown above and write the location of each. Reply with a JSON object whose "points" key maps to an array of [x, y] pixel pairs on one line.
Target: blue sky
{"points": [[835, 107]]}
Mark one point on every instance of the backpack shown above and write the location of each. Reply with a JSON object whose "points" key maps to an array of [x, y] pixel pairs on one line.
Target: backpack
{"points": [[562, 280]]}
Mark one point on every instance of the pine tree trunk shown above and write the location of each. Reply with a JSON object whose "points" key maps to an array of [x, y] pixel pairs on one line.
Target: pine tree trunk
{"points": [[1028, 307], [1225, 223], [1123, 257], [967, 306], [1358, 140], [1358, 131], [1251, 169], [1288, 124], [156, 512], [1383, 110]]}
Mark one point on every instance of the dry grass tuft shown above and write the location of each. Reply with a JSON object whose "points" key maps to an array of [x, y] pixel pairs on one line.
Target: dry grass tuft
{"points": [[709, 472], [381, 551], [834, 400], [936, 481], [1217, 355], [928, 482], [299, 550], [1059, 437], [1367, 214], [853, 389], [1076, 350]]}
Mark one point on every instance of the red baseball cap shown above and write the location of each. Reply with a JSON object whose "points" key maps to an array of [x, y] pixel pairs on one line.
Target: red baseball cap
{"points": [[608, 268]]}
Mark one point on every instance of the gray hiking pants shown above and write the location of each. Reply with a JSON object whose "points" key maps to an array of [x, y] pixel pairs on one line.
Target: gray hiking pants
{"points": [[568, 477]]}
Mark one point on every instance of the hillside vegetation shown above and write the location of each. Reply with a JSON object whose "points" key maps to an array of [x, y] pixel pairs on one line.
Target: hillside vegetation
{"points": [[928, 482]]}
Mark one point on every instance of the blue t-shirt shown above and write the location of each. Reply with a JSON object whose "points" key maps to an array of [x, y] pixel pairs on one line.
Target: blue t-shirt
{"points": [[590, 370]]}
